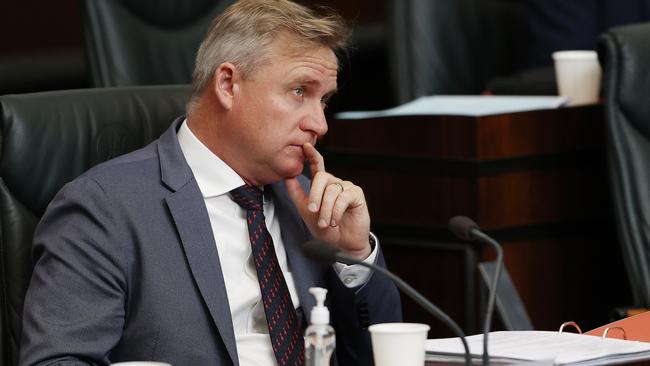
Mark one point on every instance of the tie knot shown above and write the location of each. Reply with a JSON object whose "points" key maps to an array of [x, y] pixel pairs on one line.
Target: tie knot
{"points": [[248, 197]]}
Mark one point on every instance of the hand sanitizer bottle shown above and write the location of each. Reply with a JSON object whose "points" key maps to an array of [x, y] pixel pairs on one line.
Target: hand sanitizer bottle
{"points": [[319, 336]]}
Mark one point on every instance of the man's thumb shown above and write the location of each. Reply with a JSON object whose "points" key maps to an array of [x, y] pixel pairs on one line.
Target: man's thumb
{"points": [[297, 195]]}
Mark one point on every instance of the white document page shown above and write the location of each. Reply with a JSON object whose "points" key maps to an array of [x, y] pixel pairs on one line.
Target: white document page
{"points": [[562, 348], [463, 105]]}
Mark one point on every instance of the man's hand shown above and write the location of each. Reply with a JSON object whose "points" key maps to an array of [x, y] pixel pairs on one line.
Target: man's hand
{"points": [[335, 210]]}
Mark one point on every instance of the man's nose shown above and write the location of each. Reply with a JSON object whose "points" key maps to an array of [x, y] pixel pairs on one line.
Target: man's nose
{"points": [[315, 121]]}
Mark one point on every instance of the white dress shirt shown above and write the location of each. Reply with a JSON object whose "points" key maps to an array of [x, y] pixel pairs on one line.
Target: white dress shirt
{"points": [[228, 220]]}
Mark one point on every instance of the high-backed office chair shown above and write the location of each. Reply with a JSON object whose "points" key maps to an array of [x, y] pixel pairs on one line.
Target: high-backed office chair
{"points": [[48, 139], [625, 55], [452, 47], [145, 42]]}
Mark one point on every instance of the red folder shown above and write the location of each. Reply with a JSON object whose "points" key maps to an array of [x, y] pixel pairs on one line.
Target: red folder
{"points": [[634, 328]]}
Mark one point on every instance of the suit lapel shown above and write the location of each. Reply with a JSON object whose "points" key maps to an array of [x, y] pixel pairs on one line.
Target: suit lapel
{"points": [[190, 216]]}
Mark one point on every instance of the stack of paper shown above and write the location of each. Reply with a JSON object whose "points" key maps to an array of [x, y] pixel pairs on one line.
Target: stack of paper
{"points": [[555, 348], [463, 105]]}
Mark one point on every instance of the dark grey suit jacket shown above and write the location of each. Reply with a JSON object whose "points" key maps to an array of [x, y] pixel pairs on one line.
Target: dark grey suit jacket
{"points": [[126, 268]]}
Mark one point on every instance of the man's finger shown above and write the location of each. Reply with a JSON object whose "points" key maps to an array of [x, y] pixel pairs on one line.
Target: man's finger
{"points": [[351, 197], [330, 196], [319, 183], [315, 159], [297, 195]]}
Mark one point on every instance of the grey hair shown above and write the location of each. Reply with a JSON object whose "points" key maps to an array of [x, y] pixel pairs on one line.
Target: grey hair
{"points": [[242, 34]]}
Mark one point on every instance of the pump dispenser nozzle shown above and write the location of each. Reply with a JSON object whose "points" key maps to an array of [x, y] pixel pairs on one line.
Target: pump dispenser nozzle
{"points": [[319, 314]]}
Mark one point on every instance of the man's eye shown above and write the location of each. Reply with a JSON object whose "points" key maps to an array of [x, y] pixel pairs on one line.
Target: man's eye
{"points": [[323, 102], [299, 91]]}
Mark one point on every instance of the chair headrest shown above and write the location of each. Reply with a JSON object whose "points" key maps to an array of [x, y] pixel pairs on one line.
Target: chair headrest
{"points": [[168, 13], [49, 138], [625, 55]]}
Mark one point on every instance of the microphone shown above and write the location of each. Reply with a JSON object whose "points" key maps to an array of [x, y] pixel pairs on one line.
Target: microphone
{"points": [[466, 229], [322, 252]]}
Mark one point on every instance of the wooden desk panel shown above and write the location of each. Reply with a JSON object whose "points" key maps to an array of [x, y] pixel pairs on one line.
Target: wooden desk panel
{"points": [[497, 201], [564, 277], [486, 138], [536, 181]]}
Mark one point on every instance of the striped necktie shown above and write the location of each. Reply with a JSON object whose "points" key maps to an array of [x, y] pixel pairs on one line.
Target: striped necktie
{"points": [[284, 329]]}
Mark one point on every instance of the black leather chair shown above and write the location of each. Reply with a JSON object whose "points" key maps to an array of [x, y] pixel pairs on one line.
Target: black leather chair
{"points": [[452, 47], [48, 139], [625, 56], [145, 42]]}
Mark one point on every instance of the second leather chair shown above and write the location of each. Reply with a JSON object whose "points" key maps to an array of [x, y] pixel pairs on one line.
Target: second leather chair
{"points": [[145, 42]]}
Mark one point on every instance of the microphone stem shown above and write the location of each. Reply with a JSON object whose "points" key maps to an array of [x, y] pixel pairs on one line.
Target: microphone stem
{"points": [[493, 291], [422, 301]]}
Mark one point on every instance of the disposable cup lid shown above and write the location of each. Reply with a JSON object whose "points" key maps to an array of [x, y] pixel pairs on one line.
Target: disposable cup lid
{"points": [[399, 328], [575, 55]]}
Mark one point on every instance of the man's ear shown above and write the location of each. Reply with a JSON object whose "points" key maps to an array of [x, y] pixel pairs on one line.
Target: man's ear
{"points": [[224, 84]]}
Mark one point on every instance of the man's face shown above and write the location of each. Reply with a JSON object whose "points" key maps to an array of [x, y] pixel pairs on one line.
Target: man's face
{"points": [[280, 107]]}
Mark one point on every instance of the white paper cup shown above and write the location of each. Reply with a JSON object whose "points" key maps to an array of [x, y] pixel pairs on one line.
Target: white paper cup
{"points": [[398, 343], [140, 363], [578, 76]]}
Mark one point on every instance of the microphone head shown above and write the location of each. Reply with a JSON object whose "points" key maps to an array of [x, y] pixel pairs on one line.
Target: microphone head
{"points": [[320, 251], [463, 227]]}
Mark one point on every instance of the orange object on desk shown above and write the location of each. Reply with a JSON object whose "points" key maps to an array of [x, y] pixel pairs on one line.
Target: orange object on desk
{"points": [[637, 328]]}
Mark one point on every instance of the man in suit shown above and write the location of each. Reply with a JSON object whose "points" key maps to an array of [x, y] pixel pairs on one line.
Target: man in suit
{"points": [[188, 251]]}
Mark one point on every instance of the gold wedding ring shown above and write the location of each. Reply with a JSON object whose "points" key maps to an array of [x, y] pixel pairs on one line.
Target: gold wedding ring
{"points": [[340, 186]]}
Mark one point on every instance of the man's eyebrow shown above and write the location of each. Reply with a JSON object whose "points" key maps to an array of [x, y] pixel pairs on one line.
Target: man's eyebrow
{"points": [[306, 80]]}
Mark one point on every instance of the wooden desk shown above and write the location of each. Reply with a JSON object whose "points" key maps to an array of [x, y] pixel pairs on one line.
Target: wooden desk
{"points": [[536, 181]]}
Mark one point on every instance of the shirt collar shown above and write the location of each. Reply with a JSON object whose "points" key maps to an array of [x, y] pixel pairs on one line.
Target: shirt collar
{"points": [[212, 174]]}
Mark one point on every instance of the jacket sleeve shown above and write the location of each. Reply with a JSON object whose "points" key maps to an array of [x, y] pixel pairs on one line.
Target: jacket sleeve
{"points": [[354, 309], [74, 307]]}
